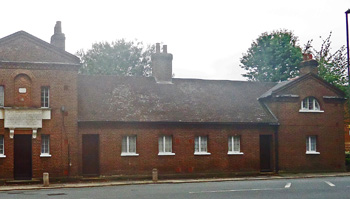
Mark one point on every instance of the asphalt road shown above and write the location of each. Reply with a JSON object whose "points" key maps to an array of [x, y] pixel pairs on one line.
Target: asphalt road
{"points": [[334, 187]]}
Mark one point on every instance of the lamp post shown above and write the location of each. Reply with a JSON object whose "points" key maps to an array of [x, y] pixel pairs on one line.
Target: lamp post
{"points": [[347, 42]]}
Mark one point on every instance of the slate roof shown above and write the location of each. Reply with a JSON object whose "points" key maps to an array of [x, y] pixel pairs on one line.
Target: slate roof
{"points": [[20, 53], [141, 99], [276, 87], [282, 85]]}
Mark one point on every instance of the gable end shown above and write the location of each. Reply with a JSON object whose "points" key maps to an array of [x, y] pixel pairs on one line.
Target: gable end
{"points": [[7, 54]]}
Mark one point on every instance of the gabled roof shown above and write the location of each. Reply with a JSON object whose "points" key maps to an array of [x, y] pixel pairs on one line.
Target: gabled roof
{"points": [[273, 89], [287, 84], [141, 99], [24, 47]]}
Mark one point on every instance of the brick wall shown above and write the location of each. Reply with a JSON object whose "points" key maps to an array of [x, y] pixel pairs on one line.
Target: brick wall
{"points": [[184, 161], [62, 127], [296, 126]]}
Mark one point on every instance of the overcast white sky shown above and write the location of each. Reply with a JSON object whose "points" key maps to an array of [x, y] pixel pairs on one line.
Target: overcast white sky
{"points": [[206, 38]]}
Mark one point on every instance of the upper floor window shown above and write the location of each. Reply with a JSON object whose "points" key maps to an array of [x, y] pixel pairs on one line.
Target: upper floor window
{"points": [[165, 145], [45, 146], [234, 145], [45, 91], [310, 104], [201, 145], [129, 146], [311, 145], [2, 96], [2, 147]]}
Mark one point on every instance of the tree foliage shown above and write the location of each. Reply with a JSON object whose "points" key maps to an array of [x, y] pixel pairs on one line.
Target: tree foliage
{"points": [[121, 57], [332, 65], [272, 57]]}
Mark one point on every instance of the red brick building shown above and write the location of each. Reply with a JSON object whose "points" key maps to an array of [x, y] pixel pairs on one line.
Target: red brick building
{"points": [[54, 120]]}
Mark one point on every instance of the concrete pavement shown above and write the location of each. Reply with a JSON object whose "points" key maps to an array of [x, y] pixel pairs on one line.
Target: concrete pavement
{"points": [[139, 182]]}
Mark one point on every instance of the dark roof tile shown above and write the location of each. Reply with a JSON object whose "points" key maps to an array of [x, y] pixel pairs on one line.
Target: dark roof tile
{"points": [[133, 99]]}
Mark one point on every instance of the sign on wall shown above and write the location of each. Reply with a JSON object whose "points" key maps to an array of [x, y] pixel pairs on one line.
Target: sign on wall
{"points": [[22, 118]]}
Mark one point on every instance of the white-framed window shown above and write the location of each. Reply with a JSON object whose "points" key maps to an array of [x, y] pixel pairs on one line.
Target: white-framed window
{"points": [[2, 96], [201, 145], [129, 146], [311, 145], [165, 145], [2, 147], [234, 145], [310, 104], [45, 93], [45, 146]]}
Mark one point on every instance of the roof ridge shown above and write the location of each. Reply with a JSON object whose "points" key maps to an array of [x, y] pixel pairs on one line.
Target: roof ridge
{"points": [[176, 79]]}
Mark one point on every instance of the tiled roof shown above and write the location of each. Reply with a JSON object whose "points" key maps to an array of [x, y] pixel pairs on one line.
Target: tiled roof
{"points": [[283, 85], [24, 47], [276, 87], [141, 99]]}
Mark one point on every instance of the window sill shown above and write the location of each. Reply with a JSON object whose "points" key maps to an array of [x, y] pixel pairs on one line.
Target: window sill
{"points": [[45, 155], [312, 153], [202, 153], [235, 153], [2, 156], [129, 154], [310, 111], [165, 153]]}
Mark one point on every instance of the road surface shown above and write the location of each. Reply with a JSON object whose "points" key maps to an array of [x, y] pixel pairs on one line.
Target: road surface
{"points": [[327, 188]]}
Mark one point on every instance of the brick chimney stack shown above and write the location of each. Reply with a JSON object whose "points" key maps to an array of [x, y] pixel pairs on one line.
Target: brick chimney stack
{"points": [[162, 65], [308, 65], [58, 39]]}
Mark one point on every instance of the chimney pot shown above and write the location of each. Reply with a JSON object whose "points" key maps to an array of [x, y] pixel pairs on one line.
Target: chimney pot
{"points": [[157, 47], [58, 27], [307, 57], [165, 49]]}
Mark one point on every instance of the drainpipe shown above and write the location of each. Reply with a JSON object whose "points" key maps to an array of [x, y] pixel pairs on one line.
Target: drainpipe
{"points": [[276, 149], [65, 137], [347, 43]]}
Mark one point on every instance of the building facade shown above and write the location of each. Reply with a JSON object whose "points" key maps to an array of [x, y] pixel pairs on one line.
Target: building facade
{"points": [[70, 125]]}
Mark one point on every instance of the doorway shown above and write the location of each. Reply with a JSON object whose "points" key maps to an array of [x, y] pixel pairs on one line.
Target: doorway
{"points": [[23, 157], [91, 163], [265, 153]]}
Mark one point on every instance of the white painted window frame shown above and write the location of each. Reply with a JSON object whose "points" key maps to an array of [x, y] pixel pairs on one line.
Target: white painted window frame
{"points": [[128, 153], [231, 141], [45, 93], [314, 109], [2, 141], [162, 141], [45, 141], [199, 152], [309, 144]]}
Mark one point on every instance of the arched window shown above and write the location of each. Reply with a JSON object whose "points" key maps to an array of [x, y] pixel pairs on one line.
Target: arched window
{"points": [[310, 104]]}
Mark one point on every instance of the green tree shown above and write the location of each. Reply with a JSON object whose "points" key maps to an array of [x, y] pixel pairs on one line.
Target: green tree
{"points": [[272, 57], [332, 65], [121, 57]]}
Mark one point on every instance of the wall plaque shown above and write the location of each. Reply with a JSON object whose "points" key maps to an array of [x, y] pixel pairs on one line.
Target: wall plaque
{"points": [[23, 118], [22, 90]]}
